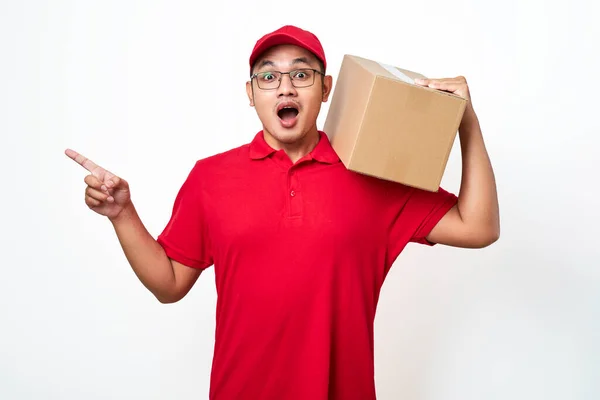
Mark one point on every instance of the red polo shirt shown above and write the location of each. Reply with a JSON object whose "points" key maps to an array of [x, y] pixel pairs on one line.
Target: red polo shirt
{"points": [[300, 253]]}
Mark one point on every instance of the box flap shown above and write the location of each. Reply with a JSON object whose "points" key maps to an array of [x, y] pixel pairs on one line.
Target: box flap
{"points": [[409, 77], [403, 75], [396, 73]]}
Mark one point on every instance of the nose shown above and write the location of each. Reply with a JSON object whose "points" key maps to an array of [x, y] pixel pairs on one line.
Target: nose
{"points": [[285, 87]]}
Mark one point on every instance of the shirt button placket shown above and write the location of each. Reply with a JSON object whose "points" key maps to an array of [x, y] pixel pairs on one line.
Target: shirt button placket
{"points": [[295, 198]]}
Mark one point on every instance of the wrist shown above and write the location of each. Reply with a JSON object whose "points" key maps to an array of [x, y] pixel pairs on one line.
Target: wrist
{"points": [[126, 214]]}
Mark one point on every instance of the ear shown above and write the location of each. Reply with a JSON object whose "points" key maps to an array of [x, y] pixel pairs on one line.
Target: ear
{"points": [[327, 86], [249, 93]]}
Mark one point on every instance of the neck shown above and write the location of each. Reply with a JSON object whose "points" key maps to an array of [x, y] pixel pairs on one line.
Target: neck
{"points": [[297, 149]]}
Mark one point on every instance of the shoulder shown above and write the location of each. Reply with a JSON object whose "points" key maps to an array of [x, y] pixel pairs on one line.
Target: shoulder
{"points": [[213, 168], [232, 156], [401, 196], [386, 190], [220, 162]]}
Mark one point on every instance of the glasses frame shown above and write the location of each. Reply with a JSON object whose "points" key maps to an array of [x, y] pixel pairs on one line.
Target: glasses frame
{"points": [[281, 74]]}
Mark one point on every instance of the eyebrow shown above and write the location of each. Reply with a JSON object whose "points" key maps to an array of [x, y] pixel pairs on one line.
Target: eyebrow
{"points": [[299, 60]]}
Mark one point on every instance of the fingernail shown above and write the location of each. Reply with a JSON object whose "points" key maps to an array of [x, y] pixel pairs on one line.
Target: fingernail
{"points": [[104, 188]]}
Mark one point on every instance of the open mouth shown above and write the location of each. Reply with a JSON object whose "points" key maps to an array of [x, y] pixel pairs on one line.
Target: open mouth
{"points": [[287, 113]]}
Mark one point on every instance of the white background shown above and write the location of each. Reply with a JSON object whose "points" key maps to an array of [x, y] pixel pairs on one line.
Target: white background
{"points": [[145, 88]]}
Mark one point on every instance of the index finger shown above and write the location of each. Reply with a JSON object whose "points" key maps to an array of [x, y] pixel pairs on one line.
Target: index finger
{"points": [[81, 160]]}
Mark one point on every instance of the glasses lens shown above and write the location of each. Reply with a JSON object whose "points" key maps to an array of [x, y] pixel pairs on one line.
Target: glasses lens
{"points": [[302, 77], [271, 79], [268, 80]]}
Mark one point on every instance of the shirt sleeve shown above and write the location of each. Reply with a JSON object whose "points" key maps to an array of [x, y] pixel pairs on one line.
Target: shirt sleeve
{"points": [[415, 216], [185, 238]]}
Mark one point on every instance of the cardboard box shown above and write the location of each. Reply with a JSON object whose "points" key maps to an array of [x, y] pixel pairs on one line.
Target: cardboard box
{"points": [[382, 124]]}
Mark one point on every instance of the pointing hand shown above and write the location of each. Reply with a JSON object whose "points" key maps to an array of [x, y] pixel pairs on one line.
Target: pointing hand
{"points": [[106, 193]]}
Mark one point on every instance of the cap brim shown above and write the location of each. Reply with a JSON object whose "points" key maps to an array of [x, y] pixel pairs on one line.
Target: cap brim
{"points": [[279, 39]]}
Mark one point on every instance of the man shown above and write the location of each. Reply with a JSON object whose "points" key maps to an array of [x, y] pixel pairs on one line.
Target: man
{"points": [[300, 245]]}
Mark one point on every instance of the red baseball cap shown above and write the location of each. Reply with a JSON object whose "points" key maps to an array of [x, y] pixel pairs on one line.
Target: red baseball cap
{"points": [[289, 34]]}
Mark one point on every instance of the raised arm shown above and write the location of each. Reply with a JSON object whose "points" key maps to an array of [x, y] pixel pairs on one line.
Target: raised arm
{"points": [[109, 195], [475, 221]]}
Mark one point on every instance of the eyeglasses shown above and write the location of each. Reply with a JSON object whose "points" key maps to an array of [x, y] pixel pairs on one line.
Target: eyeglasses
{"points": [[270, 80]]}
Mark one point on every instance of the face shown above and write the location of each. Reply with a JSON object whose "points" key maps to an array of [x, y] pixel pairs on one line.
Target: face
{"points": [[288, 113]]}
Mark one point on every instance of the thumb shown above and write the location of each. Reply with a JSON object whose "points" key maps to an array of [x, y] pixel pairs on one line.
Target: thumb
{"points": [[115, 182]]}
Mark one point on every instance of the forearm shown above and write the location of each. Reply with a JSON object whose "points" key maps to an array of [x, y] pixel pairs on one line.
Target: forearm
{"points": [[477, 199], [146, 257]]}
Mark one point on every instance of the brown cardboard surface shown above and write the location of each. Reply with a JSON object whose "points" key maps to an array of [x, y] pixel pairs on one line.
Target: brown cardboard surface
{"points": [[383, 126]]}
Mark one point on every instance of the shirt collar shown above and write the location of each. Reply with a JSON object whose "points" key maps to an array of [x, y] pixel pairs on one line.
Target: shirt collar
{"points": [[323, 151]]}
